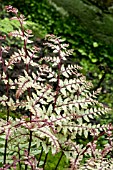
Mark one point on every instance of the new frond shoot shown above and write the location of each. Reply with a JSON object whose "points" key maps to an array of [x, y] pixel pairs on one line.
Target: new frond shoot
{"points": [[49, 108]]}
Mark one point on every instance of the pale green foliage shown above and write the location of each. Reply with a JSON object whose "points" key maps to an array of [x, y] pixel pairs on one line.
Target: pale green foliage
{"points": [[58, 98]]}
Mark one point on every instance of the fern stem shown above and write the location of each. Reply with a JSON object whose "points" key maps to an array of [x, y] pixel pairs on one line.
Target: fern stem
{"points": [[7, 113], [45, 161], [29, 147], [5, 151], [6, 140], [7, 119], [30, 140], [58, 78], [40, 157], [19, 157], [25, 167], [59, 160]]}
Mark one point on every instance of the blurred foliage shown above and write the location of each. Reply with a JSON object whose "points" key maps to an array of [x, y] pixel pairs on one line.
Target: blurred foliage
{"points": [[103, 3], [53, 161], [45, 17]]}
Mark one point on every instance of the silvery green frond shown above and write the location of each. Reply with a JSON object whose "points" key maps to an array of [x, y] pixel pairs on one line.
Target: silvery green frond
{"points": [[57, 107]]}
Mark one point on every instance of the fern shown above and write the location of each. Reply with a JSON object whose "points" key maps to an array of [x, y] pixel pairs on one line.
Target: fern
{"points": [[58, 107]]}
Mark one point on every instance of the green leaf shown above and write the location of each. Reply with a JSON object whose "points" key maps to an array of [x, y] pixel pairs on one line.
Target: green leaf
{"points": [[80, 121], [95, 44], [86, 118], [86, 133], [63, 91], [50, 109], [65, 74]]}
